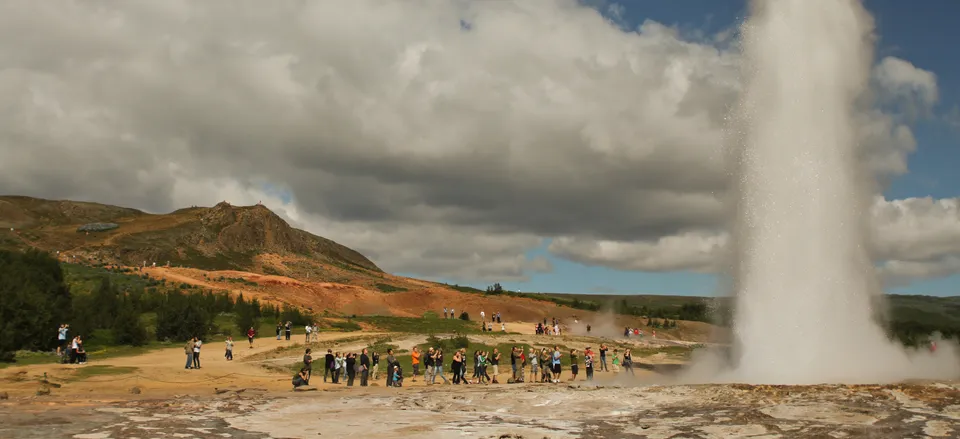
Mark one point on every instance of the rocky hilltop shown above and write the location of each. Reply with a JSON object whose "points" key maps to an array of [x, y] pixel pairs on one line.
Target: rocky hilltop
{"points": [[216, 238]]}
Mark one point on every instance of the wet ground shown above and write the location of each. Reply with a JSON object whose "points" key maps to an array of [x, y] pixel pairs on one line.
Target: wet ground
{"points": [[527, 411]]}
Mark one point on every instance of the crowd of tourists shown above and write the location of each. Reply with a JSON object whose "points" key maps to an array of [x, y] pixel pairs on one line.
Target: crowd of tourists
{"points": [[70, 350], [534, 366]]}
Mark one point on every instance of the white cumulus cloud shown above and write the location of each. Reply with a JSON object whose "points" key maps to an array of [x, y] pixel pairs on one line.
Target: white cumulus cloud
{"points": [[441, 138]]}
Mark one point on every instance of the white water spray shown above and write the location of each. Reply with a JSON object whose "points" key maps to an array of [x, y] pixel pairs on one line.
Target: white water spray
{"points": [[804, 279]]}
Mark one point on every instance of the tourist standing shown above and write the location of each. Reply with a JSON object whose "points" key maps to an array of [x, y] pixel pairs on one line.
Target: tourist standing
{"points": [[62, 339], [188, 349], [364, 368], [557, 368], [628, 361], [455, 364], [196, 352], [328, 365], [603, 357], [429, 366], [337, 367], [279, 330], [495, 362], [588, 364], [574, 365], [351, 365], [288, 329], [415, 362], [438, 367], [308, 363], [229, 352], [534, 365], [250, 334], [391, 363], [375, 366]]}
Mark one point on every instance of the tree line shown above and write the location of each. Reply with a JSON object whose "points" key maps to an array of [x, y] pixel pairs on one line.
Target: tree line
{"points": [[35, 299]]}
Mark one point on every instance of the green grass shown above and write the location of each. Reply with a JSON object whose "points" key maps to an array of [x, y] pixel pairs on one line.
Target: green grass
{"points": [[84, 279], [417, 325], [387, 288], [94, 353]]}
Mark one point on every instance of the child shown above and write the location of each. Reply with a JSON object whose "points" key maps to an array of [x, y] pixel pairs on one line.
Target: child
{"points": [[397, 376], [616, 361]]}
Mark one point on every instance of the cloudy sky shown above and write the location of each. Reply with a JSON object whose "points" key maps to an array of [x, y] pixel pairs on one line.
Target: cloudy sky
{"points": [[551, 145]]}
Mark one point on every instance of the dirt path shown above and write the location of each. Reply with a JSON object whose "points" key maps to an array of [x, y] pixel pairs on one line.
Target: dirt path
{"points": [[161, 372]]}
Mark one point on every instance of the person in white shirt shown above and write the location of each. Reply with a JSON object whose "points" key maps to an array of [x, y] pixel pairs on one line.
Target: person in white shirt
{"points": [[482, 316], [196, 353], [62, 338], [308, 329]]}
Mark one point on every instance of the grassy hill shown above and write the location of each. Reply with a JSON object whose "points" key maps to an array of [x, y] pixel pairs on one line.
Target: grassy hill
{"points": [[221, 237]]}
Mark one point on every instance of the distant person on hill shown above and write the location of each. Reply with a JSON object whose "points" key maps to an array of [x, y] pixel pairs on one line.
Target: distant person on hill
{"points": [[482, 316], [444, 312], [250, 334]]}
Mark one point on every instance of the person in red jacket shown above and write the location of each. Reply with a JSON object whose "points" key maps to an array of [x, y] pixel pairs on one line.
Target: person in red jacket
{"points": [[250, 334]]}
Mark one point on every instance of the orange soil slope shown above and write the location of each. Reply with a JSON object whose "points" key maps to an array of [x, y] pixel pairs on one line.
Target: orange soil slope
{"points": [[419, 298]]}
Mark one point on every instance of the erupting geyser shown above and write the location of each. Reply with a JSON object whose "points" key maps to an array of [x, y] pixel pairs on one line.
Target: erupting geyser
{"points": [[804, 279]]}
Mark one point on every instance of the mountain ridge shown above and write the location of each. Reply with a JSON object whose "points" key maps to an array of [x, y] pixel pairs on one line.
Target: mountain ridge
{"points": [[219, 237]]}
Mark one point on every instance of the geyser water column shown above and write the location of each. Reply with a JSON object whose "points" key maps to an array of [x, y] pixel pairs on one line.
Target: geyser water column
{"points": [[803, 276]]}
